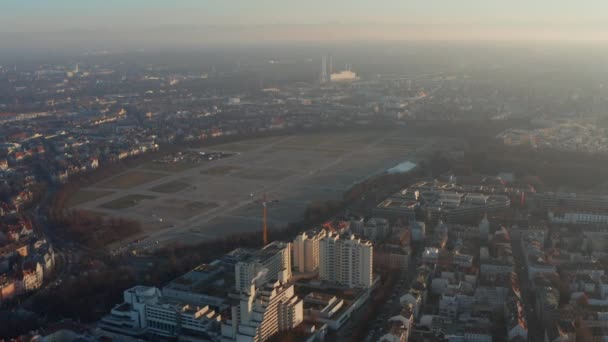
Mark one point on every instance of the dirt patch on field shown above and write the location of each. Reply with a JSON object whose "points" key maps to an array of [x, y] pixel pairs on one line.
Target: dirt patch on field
{"points": [[181, 209], [169, 167], [84, 196], [170, 187], [126, 202], [263, 174], [131, 179], [220, 170]]}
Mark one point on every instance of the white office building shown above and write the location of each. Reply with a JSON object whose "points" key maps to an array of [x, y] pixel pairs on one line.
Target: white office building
{"points": [[306, 251], [346, 260]]}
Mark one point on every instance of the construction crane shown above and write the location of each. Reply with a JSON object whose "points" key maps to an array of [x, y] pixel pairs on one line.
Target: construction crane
{"points": [[265, 202]]}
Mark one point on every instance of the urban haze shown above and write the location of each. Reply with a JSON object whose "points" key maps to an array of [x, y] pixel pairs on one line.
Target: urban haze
{"points": [[315, 171]]}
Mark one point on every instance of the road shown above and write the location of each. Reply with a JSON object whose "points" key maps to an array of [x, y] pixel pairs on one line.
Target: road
{"points": [[390, 308], [535, 330]]}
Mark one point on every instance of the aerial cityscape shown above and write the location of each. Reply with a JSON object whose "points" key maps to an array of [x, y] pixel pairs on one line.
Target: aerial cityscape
{"points": [[269, 172]]}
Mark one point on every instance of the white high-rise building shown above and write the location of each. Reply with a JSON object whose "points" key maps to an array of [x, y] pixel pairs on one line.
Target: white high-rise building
{"points": [[346, 260], [273, 262], [306, 251], [262, 313]]}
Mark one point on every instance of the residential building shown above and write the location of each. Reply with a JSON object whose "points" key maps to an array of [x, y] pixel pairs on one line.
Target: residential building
{"points": [[393, 257], [273, 262], [578, 216], [417, 231], [346, 260], [306, 251], [376, 229], [263, 312]]}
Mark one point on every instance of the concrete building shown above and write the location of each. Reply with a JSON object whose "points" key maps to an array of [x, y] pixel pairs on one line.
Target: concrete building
{"points": [[33, 276], [397, 207], [129, 317], [344, 76], [555, 200], [418, 231], [484, 229], [443, 201], [497, 266], [273, 262], [392, 257], [306, 251], [578, 216], [400, 326], [376, 229], [262, 313], [430, 255], [145, 312], [413, 299], [346, 260], [207, 284], [332, 309], [179, 320], [477, 334]]}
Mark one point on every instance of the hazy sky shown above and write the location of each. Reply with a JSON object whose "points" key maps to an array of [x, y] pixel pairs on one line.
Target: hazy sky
{"points": [[320, 19]]}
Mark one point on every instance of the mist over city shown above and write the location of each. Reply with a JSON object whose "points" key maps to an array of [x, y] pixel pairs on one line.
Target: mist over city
{"points": [[314, 171]]}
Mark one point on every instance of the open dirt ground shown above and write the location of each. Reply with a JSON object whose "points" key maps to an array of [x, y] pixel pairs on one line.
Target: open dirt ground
{"points": [[207, 200]]}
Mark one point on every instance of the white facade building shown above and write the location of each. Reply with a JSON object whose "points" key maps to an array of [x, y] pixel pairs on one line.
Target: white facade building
{"points": [[262, 313], [306, 251], [129, 317], [346, 260], [145, 311], [273, 262], [173, 320]]}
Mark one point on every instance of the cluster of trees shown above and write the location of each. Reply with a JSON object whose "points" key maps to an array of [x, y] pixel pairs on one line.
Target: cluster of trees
{"points": [[86, 297], [177, 259], [553, 168], [15, 323], [92, 230]]}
